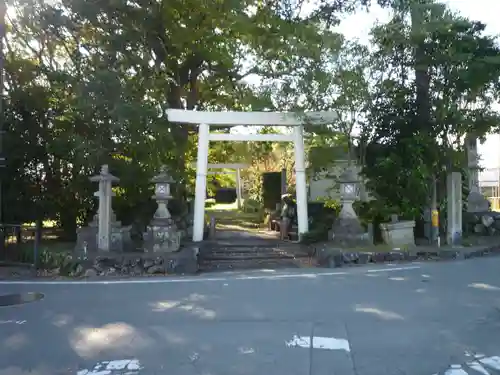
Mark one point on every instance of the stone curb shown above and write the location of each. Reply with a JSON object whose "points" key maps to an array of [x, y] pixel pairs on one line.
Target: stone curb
{"points": [[332, 258]]}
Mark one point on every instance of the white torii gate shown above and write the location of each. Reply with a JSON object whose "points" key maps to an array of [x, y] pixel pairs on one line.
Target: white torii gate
{"points": [[237, 172], [205, 119]]}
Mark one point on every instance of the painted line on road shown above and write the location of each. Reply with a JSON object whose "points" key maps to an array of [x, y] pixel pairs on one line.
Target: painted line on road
{"points": [[318, 342], [480, 364], [12, 321], [116, 367], [206, 279]]}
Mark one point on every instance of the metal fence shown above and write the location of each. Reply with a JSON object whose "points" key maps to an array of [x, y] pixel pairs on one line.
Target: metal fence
{"points": [[19, 244]]}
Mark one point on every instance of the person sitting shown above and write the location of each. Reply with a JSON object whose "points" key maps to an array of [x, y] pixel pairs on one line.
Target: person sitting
{"points": [[287, 215]]}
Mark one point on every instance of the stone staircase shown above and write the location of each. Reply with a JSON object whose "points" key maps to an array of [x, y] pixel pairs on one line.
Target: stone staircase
{"points": [[247, 254]]}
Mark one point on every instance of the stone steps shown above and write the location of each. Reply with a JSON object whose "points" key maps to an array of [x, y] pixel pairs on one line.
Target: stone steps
{"points": [[252, 256]]}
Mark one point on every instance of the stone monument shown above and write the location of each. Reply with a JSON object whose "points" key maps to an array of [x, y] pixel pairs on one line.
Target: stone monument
{"points": [[104, 233], [347, 229], [162, 234], [476, 202], [454, 208]]}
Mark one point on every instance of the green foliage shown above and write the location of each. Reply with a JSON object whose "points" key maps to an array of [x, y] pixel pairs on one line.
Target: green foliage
{"points": [[330, 203], [88, 83], [210, 202], [251, 205]]}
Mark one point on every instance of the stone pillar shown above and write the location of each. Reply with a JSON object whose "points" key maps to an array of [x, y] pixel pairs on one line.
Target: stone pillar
{"points": [[105, 180], [472, 163], [300, 178], [238, 187], [201, 182], [454, 208], [476, 202]]}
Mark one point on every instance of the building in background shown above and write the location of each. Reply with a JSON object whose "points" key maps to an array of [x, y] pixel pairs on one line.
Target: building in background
{"points": [[489, 177]]}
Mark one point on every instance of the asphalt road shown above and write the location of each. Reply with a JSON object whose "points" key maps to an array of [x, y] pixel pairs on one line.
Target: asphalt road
{"points": [[413, 319]]}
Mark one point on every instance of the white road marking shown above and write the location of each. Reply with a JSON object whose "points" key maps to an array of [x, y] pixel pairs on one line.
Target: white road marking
{"points": [[491, 362], [455, 370], [480, 364], [329, 343], [393, 269], [476, 366], [246, 350], [170, 280], [12, 321], [116, 367]]}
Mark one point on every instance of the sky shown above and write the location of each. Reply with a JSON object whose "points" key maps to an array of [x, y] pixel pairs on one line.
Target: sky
{"points": [[357, 26]]}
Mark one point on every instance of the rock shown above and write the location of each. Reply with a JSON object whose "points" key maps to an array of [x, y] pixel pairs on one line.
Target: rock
{"points": [[449, 254], [411, 256], [378, 257], [155, 269], [394, 256], [78, 271], [335, 260], [364, 258], [350, 258], [99, 266], [137, 270], [111, 272], [137, 262], [90, 273]]}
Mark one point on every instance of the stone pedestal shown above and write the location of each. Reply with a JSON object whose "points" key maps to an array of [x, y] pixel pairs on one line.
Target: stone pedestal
{"points": [[398, 234], [87, 237], [162, 233], [162, 236], [348, 232]]}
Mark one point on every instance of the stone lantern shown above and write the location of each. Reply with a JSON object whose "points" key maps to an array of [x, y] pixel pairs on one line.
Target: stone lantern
{"points": [[162, 233], [347, 230], [349, 192], [162, 193]]}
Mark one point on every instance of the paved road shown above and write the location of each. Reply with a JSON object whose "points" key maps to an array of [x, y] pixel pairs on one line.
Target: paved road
{"points": [[387, 320]]}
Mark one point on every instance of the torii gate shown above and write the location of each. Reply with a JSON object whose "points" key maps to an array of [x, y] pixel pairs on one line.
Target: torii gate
{"points": [[237, 172], [204, 119]]}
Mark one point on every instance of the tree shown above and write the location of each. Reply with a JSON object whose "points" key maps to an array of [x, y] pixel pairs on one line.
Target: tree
{"points": [[418, 124]]}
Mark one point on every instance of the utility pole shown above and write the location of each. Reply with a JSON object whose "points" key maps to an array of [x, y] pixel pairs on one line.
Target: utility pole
{"points": [[3, 10]]}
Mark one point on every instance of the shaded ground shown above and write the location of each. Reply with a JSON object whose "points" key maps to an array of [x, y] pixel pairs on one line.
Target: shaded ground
{"points": [[416, 320]]}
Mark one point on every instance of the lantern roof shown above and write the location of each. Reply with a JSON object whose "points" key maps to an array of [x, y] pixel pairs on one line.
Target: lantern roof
{"points": [[348, 176], [163, 177]]}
